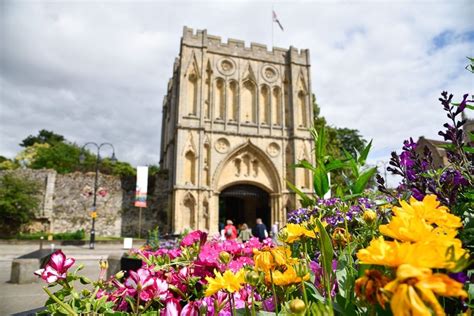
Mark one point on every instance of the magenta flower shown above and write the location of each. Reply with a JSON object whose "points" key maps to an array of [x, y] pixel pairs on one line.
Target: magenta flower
{"points": [[194, 237], [172, 308], [191, 309], [140, 282], [56, 268]]}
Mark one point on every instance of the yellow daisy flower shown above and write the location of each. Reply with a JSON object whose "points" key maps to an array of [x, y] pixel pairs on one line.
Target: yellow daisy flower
{"points": [[427, 254], [414, 291], [286, 277], [294, 232], [228, 281], [269, 258], [430, 210]]}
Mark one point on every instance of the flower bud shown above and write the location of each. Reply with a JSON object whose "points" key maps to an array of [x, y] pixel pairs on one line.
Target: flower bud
{"points": [[301, 269], [119, 275], [85, 292], [252, 278], [369, 216], [203, 308], [103, 264], [297, 306], [224, 257], [340, 237]]}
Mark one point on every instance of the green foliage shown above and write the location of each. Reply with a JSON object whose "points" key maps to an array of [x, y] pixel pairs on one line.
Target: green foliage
{"points": [[18, 201], [43, 137], [49, 150], [77, 235], [62, 157], [153, 240], [352, 167]]}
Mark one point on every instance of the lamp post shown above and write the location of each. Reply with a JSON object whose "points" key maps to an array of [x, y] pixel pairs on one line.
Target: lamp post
{"points": [[96, 180]]}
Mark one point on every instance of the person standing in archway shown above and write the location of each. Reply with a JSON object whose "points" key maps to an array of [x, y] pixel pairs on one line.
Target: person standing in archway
{"points": [[260, 230], [245, 233], [230, 232]]}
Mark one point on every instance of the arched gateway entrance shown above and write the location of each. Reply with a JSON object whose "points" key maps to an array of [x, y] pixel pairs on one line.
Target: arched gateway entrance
{"points": [[244, 203]]}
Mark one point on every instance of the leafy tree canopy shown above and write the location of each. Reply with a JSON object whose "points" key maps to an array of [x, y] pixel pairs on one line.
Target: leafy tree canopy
{"points": [[43, 137], [49, 150]]}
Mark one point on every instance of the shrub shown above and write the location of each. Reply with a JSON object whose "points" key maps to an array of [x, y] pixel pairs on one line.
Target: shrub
{"points": [[18, 202]]}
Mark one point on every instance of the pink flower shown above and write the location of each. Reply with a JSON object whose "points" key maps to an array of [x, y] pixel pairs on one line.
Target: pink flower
{"points": [[239, 263], [172, 308], [56, 268], [160, 289], [193, 237], [140, 281], [190, 309]]}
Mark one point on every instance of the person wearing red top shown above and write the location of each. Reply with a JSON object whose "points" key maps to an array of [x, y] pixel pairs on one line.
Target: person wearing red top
{"points": [[230, 232]]}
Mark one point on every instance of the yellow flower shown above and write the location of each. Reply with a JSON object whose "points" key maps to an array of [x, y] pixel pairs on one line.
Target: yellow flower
{"points": [[269, 258], [294, 232], [427, 254], [286, 277], [406, 227], [229, 282], [413, 291], [430, 210], [413, 222], [369, 216]]}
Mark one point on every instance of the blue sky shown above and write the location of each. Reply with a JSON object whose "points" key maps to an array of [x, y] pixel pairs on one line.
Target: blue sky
{"points": [[97, 71]]}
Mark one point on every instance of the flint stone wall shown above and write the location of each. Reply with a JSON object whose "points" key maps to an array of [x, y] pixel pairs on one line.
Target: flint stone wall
{"points": [[66, 203]]}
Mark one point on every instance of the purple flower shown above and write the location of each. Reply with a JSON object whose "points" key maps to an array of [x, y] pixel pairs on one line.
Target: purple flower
{"points": [[459, 276]]}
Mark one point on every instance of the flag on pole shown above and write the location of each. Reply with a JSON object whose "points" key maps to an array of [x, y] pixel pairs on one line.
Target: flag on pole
{"points": [[142, 186], [275, 19]]}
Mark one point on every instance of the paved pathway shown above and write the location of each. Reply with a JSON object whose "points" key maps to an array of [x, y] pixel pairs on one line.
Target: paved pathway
{"points": [[16, 298]]}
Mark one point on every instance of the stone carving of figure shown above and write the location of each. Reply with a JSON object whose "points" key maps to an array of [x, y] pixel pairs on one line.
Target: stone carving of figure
{"points": [[237, 163], [255, 167]]}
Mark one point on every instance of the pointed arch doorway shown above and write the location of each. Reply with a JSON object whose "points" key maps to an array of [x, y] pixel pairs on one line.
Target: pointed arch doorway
{"points": [[244, 203]]}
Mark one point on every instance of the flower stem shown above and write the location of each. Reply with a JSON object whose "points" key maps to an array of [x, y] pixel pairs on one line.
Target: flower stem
{"points": [[231, 303], [252, 295], [57, 300], [274, 293]]}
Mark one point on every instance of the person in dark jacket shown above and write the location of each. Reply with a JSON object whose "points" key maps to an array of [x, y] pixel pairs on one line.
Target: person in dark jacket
{"points": [[260, 230]]}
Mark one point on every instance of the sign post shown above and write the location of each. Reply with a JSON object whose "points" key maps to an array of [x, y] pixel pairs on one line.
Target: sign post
{"points": [[141, 193]]}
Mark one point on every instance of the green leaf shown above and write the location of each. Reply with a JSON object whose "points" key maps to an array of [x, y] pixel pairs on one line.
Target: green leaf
{"points": [[327, 253], [364, 153], [468, 149], [335, 164], [306, 201], [305, 164], [361, 182], [320, 181]]}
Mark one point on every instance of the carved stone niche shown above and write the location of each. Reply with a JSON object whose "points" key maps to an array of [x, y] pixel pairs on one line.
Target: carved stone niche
{"points": [[269, 73], [226, 66], [273, 149], [222, 145], [246, 165]]}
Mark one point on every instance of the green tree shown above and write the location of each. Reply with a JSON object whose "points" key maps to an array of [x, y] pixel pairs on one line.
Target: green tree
{"points": [[62, 157], [43, 137], [351, 140], [49, 150], [18, 201]]}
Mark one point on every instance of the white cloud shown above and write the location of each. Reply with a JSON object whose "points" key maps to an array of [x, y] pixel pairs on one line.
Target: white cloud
{"points": [[97, 71]]}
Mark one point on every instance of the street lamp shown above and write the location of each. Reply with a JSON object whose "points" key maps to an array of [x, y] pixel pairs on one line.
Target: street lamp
{"points": [[82, 158]]}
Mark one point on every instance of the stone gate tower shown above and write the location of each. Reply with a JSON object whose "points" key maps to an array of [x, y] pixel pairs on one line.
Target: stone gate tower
{"points": [[235, 119]]}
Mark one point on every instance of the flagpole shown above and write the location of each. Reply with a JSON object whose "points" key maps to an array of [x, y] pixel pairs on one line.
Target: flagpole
{"points": [[271, 48]]}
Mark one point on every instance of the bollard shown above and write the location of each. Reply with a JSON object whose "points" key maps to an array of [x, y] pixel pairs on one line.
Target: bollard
{"points": [[41, 242]]}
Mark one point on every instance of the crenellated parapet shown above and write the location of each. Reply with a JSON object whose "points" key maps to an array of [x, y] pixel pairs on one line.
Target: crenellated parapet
{"points": [[237, 48]]}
